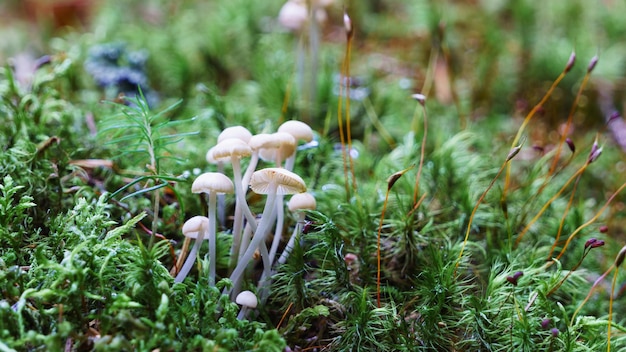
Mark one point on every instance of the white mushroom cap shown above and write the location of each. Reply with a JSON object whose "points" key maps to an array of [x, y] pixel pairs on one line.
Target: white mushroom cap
{"points": [[227, 149], [247, 299], [298, 129], [212, 182], [238, 132], [195, 225], [287, 147], [276, 180], [262, 141], [302, 201], [209, 157], [293, 15]]}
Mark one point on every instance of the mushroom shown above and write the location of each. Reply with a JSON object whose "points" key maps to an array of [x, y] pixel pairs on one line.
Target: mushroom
{"points": [[294, 14], [211, 183], [287, 146], [300, 132], [233, 150], [297, 203], [247, 300], [256, 143], [238, 132], [194, 228], [272, 182]]}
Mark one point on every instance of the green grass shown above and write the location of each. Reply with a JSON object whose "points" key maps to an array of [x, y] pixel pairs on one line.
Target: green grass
{"points": [[96, 186]]}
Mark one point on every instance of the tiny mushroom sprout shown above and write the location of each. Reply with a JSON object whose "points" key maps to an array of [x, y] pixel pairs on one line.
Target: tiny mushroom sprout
{"points": [[272, 182], [301, 132], [297, 203], [194, 228], [211, 183], [247, 300]]}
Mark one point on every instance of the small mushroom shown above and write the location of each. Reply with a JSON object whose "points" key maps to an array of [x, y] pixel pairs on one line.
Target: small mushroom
{"points": [[294, 14], [301, 132], [211, 183], [233, 149], [194, 228], [256, 143], [238, 132], [247, 300], [272, 182], [287, 146]]}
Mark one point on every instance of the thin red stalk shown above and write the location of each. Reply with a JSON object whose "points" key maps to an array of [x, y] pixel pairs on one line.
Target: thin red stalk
{"points": [[531, 114], [592, 220], [569, 273], [595, 283], [284, 315], [482, 196], [547, 204], [390, 182], [380, 227], [562, 222], [570, 118], [419, 202], [608, 335]]}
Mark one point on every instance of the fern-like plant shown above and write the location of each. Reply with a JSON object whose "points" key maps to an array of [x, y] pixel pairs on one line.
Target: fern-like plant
{"points": [[144, 138]]}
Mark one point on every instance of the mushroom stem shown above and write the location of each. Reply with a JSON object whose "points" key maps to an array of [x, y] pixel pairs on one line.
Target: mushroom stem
{"points": [[278, 232], [254, 160], [212, 238], [257, 239], [263, 287], [191, 258], [245, 241], [242, 313], [296, 233], [221, 199], [247, 232], [241, 206]]}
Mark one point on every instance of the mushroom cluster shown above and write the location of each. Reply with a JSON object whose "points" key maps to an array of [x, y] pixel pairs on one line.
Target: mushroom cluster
{"points": [[244, 153]]}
